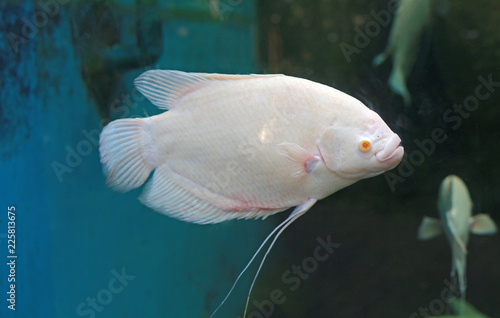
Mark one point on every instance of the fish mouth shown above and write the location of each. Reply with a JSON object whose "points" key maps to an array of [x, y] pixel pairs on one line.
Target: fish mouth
{"points": [[392, 152]]}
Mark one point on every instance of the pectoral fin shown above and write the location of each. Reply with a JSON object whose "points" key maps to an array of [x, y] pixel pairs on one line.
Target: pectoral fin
{"points": [[300, 161], [429, 228], [482, 224]]}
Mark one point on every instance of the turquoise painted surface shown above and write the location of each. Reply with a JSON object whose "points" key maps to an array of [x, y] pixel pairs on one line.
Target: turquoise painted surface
{"points": [[22, 173], [83, 250]]}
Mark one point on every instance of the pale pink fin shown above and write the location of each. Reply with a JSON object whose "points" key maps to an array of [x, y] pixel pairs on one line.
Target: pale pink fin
{"points": [[429, 228], [163, 87], [125, 154], [482, 224], [300, 161], [164, 195]]}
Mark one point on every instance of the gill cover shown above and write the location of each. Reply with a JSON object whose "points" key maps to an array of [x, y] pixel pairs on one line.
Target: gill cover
{"points": [[329, 146]]}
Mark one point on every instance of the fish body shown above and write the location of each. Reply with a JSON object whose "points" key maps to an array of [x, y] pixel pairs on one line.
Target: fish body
{"points": [[246, 146], [456, 220], [412, 17], [245, 143]]}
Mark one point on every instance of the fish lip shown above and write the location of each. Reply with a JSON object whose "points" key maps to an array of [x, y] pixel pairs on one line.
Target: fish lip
{"points": [[395, 158], [391, 149]]}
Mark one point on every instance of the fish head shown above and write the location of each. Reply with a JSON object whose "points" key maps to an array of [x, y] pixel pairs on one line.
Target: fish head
{"points": [[361, 146]]}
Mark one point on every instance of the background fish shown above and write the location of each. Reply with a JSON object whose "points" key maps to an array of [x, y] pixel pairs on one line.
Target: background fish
{"points": [[406, 32], [455, 211]]}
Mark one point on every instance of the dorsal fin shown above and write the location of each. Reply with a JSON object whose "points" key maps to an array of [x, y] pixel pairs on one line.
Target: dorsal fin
{"points": [[163, 87]]}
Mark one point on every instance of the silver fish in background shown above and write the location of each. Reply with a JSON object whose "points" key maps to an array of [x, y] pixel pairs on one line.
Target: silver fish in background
{"points": [[244, 146], [455, 211], [411, 19]]}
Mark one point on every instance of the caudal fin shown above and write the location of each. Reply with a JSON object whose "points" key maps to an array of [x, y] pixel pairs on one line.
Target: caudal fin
{"points": [[126, 154]]}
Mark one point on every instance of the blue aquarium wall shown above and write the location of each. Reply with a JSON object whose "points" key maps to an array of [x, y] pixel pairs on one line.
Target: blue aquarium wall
{"points": [[82, 250]]}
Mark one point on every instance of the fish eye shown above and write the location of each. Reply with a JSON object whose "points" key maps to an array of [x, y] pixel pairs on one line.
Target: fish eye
{"points": [[365, 145]]}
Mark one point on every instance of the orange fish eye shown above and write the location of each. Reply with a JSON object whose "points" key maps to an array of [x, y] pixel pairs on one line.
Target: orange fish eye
{"points": [[365, 145]]}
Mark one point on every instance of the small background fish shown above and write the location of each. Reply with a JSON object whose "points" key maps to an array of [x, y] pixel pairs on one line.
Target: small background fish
{"points": [[456, 221]]}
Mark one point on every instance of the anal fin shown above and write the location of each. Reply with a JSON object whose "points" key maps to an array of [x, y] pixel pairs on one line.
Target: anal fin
{"points": [[164, 194]]}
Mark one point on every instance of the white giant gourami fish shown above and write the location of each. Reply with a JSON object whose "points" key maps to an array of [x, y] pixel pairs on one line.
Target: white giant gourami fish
{"points": [[244, 146]]}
